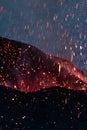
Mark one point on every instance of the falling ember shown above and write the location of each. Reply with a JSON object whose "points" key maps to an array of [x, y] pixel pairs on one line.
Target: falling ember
{"points": [[86, 62], [26, 68], [78, 115], [15, 86]]}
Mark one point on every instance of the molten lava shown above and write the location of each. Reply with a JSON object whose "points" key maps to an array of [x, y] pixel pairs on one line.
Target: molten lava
{"points": [[26, 68]]}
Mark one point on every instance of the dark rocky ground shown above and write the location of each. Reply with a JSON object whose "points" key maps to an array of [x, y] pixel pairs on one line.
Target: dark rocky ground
{"points": [[50, 109]]}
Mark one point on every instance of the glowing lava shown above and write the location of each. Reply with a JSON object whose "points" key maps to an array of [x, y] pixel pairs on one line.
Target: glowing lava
{"points": [[26, 68]]}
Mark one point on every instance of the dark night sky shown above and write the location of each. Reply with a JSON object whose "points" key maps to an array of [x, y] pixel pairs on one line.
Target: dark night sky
{"points": [[58, 27]]}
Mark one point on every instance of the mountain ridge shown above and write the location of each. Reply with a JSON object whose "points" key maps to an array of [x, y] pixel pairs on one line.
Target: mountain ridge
{"points": [[26, 68], [53, 108]]}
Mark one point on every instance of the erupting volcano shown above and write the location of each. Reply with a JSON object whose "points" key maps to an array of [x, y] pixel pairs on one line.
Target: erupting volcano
{"points": [[26, 68]]}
